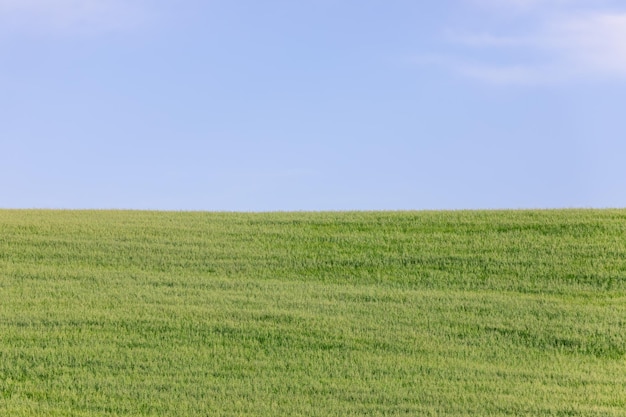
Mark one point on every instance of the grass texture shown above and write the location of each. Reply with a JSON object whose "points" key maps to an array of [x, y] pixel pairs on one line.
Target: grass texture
{"points": [[469, 313]]}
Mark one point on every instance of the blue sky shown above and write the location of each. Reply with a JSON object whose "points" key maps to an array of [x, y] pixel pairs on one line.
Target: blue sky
{"points": [[244, 105]]}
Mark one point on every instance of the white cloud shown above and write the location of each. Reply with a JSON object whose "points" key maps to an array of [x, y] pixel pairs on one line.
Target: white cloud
{"points": [[45, 16], [559, 46], [593, 43]]}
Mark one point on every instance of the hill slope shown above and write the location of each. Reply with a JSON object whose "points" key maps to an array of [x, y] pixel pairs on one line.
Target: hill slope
{"points": [[107, 313]]}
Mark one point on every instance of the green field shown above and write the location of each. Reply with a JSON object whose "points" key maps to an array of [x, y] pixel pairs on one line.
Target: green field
{"points": [[469, 313]]}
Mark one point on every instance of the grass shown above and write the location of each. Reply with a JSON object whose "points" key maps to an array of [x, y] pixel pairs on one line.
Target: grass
{"points": [[477, 313]]}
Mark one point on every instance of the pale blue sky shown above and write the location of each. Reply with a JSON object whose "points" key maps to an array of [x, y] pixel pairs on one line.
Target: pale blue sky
{"points": [[312, 105]]}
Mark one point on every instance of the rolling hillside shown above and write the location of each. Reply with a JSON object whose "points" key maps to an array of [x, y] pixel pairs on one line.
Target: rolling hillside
{"points": [[468, 313]]}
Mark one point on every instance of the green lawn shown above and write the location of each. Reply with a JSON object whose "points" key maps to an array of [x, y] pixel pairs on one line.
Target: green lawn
{"points": [[470, 313]]}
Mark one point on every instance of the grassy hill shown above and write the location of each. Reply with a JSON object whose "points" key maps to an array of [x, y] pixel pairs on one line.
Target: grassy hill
{"points": [[477, 313]]}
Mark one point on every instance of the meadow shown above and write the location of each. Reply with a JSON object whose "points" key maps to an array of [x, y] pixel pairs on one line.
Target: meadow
{"points": [[458, 313]]}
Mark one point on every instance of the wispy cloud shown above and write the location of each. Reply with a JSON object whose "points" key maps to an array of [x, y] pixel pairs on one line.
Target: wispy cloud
{"points": [[565, 44], [69, 16]]}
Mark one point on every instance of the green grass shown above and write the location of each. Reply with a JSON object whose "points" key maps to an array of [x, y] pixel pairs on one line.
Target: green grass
{"points": [[478, 313]]}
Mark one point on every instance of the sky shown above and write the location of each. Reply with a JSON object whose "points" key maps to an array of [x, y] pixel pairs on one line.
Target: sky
{"points": [[276, 105]]}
